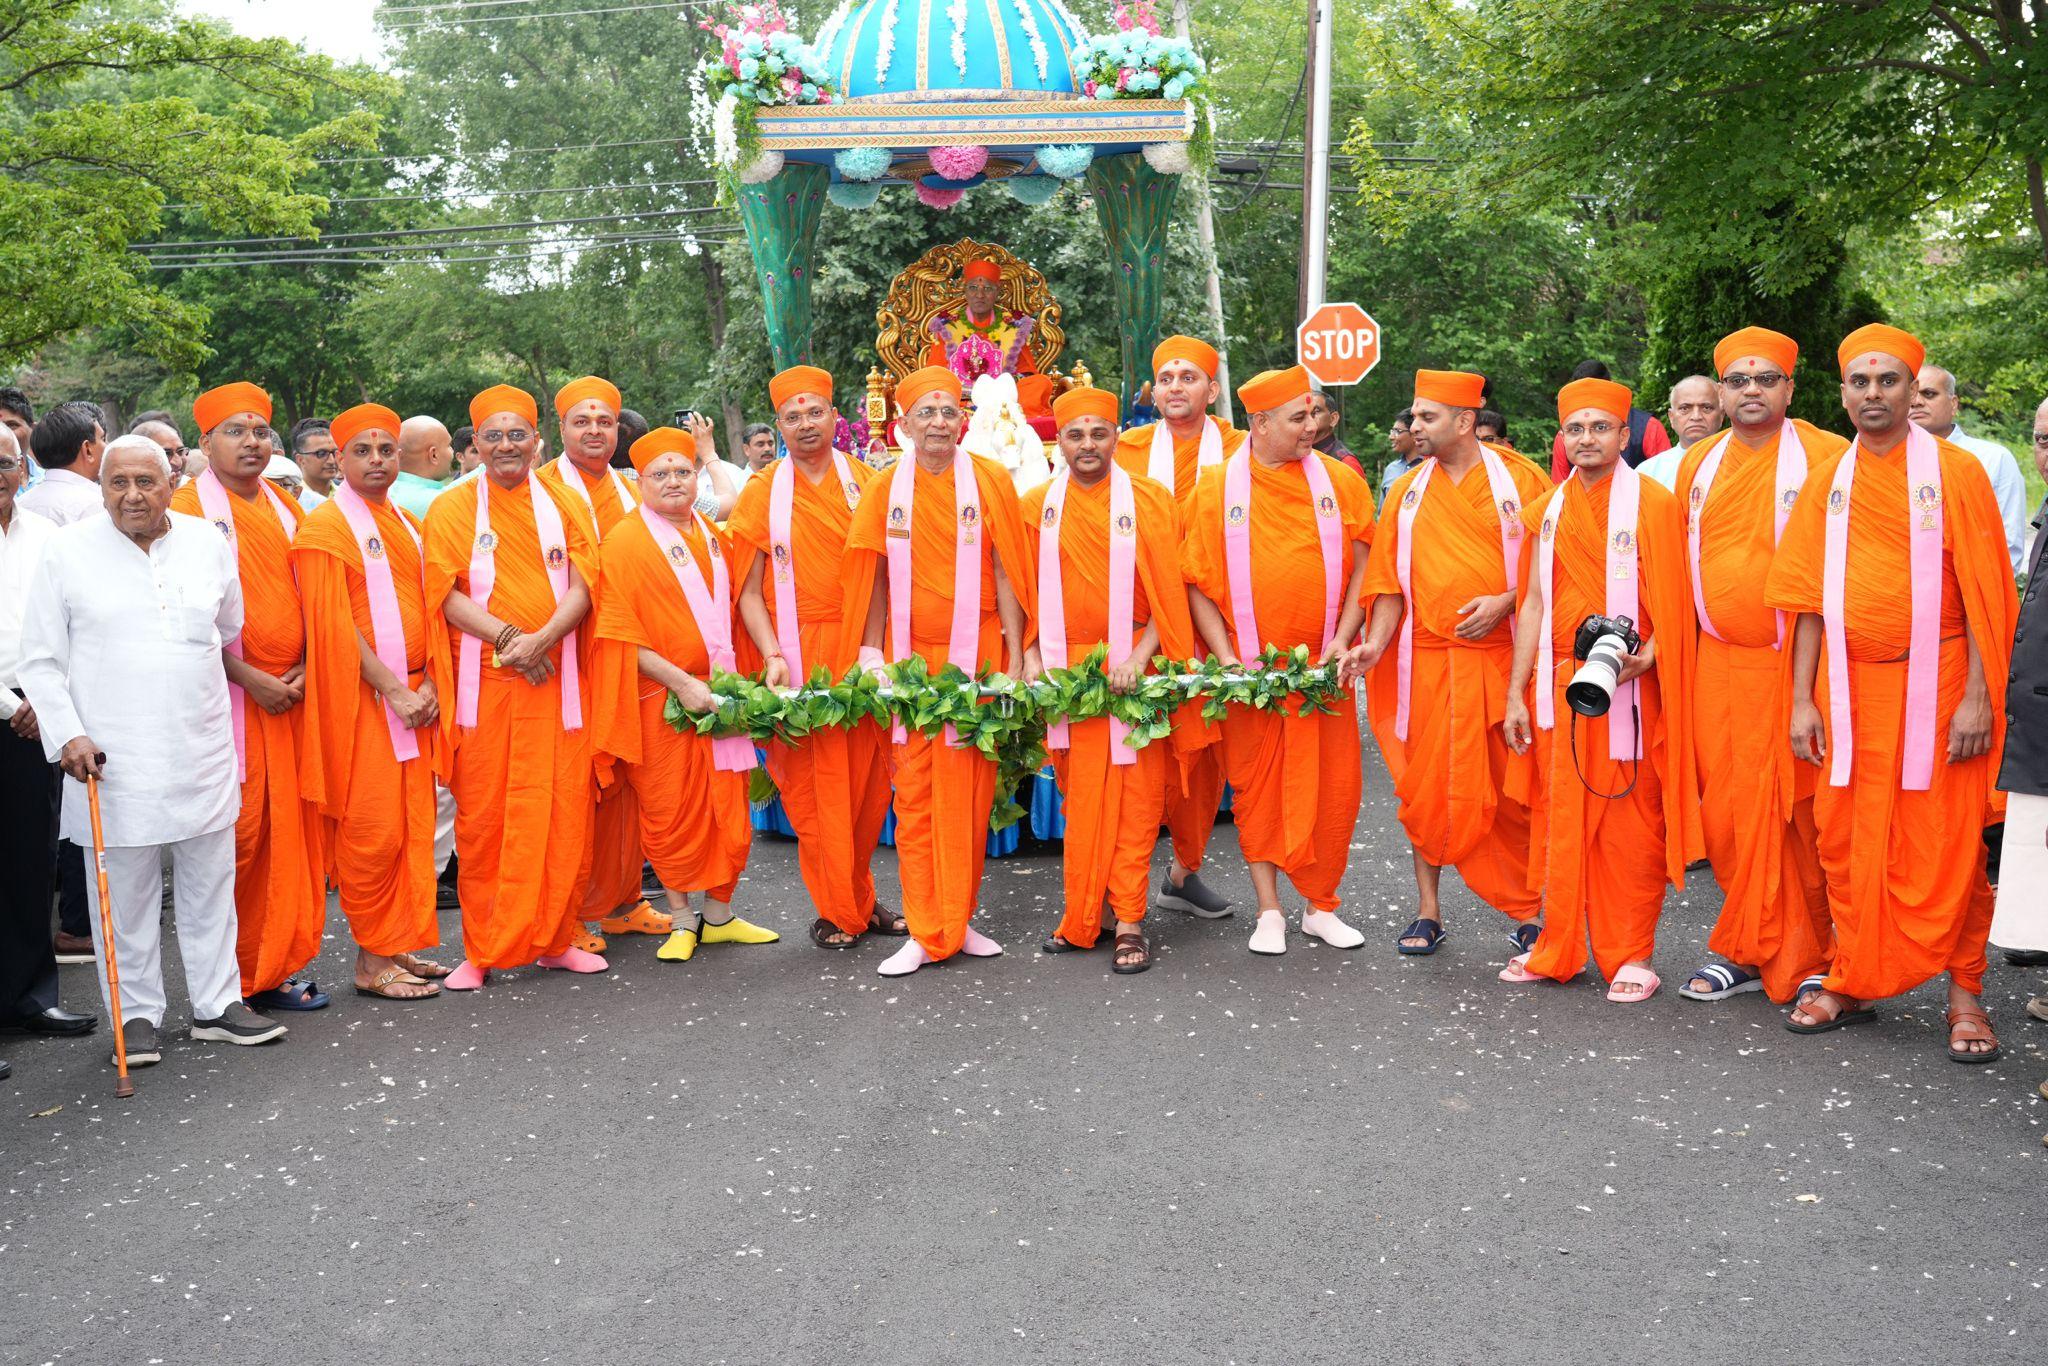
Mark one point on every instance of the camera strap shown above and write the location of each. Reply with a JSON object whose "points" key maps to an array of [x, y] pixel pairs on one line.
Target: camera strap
{"points": [[1791, 477], [1623, 599]]}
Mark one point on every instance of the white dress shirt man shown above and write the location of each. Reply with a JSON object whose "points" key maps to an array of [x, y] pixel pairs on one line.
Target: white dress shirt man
{"points": [[121, 657], [1692, 415], [68, 443], [1934, 411]]}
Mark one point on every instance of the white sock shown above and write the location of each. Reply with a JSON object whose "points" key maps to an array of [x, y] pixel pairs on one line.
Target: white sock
{"points": [[979, 945], [1270, 934], [905, 960]]}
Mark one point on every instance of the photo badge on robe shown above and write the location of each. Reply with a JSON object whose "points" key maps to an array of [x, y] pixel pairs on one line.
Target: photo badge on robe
{"points": [[970, 518], [1624, 554], [1326, 506], [1511, 518], [487, 541], [780, 554], [1928, 499], [374, 548], [1126, 525], [556, 557], [899, 522]]}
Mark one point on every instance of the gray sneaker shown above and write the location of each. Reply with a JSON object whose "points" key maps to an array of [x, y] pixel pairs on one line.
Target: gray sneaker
{"points": [[1193, 896], [238, 1024], [138, 1036]]}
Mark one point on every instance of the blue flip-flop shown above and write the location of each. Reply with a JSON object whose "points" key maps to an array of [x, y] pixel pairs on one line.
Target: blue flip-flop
{"points": [[296, 993], [1726, 979], [1432, 930], [1524, 935]]}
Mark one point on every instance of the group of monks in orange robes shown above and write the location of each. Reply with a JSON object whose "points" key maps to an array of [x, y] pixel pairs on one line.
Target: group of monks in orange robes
{"points": [[1799, 686]]}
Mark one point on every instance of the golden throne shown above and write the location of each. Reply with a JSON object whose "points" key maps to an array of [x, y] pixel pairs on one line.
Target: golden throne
{"points": [[932, 285]]}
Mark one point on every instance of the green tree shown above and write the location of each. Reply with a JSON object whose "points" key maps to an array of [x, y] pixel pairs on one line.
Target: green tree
{"points": [[87, 167]]}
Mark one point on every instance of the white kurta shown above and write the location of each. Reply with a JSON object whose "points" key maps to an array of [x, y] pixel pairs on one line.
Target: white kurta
{"points": [[125, 647]]}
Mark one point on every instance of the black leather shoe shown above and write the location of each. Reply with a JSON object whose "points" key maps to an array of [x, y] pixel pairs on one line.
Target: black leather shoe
{"points": [[6, 1069], [56, 1021]]}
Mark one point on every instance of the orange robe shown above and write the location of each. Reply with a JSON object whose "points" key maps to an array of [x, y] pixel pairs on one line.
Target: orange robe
{"points": [[1113, 810], [280, 895], [1034, 391], [615, 854], [694, 822], [1194, 787], [1601, 862], [377, 811], [943, 795], [834, 785], [1905, 870], [521, 782], [1464, 795], [1756, 799], [1297, 779]]}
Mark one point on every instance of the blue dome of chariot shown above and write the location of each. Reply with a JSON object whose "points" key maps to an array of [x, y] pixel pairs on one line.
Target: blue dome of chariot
{"points": [[950, 49]]}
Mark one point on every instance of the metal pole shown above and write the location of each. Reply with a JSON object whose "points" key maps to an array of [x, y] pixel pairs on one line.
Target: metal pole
{"points": [[1205, 232], [1315, 173]]}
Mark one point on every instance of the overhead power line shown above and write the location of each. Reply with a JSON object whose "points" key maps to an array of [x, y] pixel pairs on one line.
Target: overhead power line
{"points": [[515, 193], [489, 152], [453, 229], [520, 18], [537, 251]]}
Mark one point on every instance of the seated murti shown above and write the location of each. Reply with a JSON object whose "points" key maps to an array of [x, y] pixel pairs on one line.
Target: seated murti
{"points": [[1007, 332]]}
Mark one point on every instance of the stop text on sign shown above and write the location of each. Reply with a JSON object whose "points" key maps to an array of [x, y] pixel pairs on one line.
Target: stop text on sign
{"points": [[1339, 343]]}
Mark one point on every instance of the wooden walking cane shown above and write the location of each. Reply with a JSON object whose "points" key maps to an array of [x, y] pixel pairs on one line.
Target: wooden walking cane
{"points": [[122, 1086]]}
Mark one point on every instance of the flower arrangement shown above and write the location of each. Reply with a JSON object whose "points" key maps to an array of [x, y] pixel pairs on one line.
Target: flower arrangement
{"points": [[938, 199], [759, 63], [1041, 57], [959, 163], [975, 357], [850, 194], [850, 434], [861, 163], [1031, 189], [1066, 162], [1136, 63]]}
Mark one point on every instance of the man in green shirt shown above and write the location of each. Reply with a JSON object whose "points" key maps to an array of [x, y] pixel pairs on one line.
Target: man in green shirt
{"points": [[426, 457]]}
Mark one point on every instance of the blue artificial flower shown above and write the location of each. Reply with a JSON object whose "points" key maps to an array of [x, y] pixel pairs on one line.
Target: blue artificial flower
{"points": [[809, 91], [749, 68], [1175, 88]]}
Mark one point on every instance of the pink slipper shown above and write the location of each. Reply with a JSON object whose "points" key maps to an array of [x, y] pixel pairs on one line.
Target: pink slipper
{"points": [[905, 960], [1517, 970], [1635, 976], [468, 977], [979, 945], [573, 959]]}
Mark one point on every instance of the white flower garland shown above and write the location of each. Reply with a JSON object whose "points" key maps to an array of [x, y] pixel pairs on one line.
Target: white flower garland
{"points": [[957, 12], [725, 133], [762, 169], [1168, 158], [1074, 29], [885, 45], [830, 33], [1039, 55]]}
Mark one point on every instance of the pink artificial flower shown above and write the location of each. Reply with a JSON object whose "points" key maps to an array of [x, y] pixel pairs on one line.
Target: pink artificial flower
{"points": [[959, 163]]}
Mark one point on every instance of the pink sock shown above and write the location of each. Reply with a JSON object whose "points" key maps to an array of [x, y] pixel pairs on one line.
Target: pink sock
{"points": [[979, 945], [468, 977], [905, 960], [573, 959]]}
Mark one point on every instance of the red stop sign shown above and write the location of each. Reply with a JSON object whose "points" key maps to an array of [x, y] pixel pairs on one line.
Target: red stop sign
{"points": [[1338, 344]]}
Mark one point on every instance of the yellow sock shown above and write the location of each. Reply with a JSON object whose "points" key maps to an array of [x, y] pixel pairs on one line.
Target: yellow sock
{"points": [[738, 931], [679, 947]]}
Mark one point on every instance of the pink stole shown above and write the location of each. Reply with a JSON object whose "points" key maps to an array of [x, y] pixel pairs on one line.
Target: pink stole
{"points": [[483, 576], [387, 628], [1052, 597], [573, 477], [1237, 547], [1160, 466], [219, 509], [1923, 653], [1624, 599], [782, 554], [963, 640], [1507, 503], [712, 610], [1791, 478]]}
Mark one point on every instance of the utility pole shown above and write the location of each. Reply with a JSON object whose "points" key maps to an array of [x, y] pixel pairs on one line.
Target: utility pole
{"points": [[1205, 232], [1315, 170]]}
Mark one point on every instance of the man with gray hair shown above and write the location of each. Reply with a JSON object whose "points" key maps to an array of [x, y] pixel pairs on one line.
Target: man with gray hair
{"points": [[1934, 412], [1694, 414], [121, 659], [158, 427]]}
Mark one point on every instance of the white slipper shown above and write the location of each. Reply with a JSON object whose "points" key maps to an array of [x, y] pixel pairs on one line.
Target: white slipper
{"points": [[1329, 927], [905, 960], [1270, 934], [979, 945]]}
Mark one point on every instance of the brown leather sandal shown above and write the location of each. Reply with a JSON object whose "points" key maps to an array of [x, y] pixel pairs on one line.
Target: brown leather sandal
{"points": [[426, 969], [1969, 1024], [1830, 1010], [396, 977], [1131, 943]]}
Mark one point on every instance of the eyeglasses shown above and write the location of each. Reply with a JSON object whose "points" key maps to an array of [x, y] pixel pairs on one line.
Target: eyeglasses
{"points": [[1579, 429], [235, 431], [669, 476], [950, 414], [8, 464], [516, 436], [1764, 382]]}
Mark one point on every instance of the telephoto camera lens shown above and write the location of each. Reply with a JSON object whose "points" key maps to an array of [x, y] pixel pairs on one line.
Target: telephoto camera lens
{"points": [[1591, 690]]}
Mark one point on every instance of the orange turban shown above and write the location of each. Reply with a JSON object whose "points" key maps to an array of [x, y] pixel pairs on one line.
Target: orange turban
{"points": [[1885, 338], [659, 442], [1756, 341], [1603, 394], [1452, 388], [1268, 389], [980, 270], [364, 417], [1084, 402], [799, 379], [217, 405], [930, 380], [1193, 350], [503, 398], [590, 386]]}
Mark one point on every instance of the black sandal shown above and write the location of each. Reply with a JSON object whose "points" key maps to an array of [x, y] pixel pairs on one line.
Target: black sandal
{"points": [[1054, 944], [822, 931], [1125, 943], [882, 920]]}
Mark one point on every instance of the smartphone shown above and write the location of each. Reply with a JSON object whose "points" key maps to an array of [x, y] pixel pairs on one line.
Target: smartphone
{"points": [[688, 417]]}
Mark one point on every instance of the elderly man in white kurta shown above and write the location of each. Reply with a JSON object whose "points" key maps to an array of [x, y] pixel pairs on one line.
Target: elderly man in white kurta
{"points": [[121, 657]]}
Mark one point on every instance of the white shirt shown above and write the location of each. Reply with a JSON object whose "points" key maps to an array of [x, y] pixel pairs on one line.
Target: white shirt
{"points": [[1663, 466], [125, 647], [310, 499], [22, 543], [64, 496], [2007, 484]]}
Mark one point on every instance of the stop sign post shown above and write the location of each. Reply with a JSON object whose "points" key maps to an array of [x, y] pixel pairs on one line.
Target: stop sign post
{"points": [[1338, 344]]}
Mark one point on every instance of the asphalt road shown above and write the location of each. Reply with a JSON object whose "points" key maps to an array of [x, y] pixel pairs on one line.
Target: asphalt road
{"points": [[772, 1153]]}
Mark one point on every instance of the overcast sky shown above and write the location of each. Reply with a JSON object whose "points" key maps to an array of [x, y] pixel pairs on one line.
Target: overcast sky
{"points": [[339, 28]]}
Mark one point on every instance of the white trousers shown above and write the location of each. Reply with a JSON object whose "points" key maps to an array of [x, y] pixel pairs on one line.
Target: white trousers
{"points": [[444, 828], [2021, 920], [203, 878]]}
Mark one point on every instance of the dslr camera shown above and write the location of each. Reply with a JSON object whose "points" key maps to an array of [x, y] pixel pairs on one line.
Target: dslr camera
{"points": [[1601, 642]]}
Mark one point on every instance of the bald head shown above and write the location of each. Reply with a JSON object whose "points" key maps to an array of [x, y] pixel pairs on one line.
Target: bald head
{"points": [[1934, 400], [1695, 409], [424, 448], [170, 439], [2041, 438]]}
